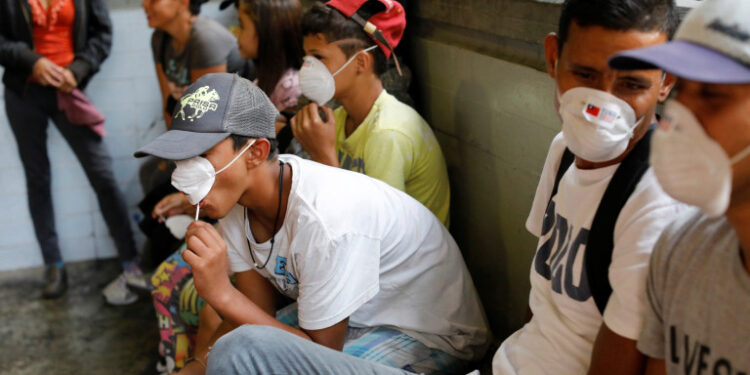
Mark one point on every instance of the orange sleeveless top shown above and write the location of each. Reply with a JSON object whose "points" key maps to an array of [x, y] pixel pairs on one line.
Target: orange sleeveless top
{"points": [[53, 30]]}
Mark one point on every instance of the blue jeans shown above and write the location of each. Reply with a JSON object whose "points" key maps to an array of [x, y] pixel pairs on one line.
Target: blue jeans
{"points": [[265, 350]]}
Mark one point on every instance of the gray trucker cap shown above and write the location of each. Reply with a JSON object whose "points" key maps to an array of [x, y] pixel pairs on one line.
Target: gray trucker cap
{"points": [[214, 107]]}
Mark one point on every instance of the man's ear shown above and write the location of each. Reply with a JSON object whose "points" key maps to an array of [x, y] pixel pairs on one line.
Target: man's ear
{"points": [[365, 62], [551, 54], [667, 86], [258, 153]]}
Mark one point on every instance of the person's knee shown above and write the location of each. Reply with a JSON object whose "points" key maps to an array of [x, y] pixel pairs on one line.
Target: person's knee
{"points": [[249, 340]]}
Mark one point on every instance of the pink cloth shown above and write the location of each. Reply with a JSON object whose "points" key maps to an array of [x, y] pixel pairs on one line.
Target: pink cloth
{"points": [[80, 111]]}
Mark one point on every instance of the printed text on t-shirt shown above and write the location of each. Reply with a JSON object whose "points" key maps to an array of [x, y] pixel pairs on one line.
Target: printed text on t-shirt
{"points": [[696, 357], [558, 256], [351, 164]]}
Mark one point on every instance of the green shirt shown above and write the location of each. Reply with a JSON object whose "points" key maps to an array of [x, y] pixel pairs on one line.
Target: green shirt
{"points": [[396, 145]]}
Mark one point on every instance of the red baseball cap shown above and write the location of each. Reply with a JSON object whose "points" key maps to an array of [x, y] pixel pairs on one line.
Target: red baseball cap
{"points": [[383, 20]]}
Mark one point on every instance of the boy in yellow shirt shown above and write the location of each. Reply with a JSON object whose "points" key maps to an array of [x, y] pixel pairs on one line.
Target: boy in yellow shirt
{"points": [[372, 133]]}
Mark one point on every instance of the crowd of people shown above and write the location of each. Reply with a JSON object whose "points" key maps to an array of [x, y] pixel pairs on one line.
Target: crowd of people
{"points": [[316, 240]]}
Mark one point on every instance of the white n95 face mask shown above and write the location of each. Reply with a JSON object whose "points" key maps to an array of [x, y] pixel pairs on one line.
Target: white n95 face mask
{"points": [[597, 126], [690, 166], [316, 82], [196, 176]]}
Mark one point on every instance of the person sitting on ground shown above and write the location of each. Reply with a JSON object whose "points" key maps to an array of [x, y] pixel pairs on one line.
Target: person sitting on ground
{"points": [[598, 208], [372, 132], [373, 272], [51, 49], [699, 280], [186, 46], [269, 34]]}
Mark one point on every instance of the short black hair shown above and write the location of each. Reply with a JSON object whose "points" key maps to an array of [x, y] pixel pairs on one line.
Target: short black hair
{"points": [[239, 141], [620, 15], [334, 25]]}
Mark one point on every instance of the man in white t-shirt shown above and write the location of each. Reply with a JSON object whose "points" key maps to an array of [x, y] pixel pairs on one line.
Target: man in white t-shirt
{"points": [[598, 209], [373, 271]]}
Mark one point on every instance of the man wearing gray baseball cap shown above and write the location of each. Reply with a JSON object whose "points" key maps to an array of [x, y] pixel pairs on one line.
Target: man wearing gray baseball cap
{"points": [[699, 282], [366, 263]]}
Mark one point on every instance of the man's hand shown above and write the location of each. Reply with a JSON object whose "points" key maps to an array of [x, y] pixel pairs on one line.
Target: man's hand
{"points": [[173, 204], [318, 138], [69, 81], [206, 254], [48, 73]]}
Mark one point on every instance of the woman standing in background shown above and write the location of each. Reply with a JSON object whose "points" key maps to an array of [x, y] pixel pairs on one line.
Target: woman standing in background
{"points": [[50, 49]]}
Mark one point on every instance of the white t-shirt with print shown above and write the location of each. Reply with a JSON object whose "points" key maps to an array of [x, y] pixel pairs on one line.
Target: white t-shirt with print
{"points": [[352, 246], [560, 337]]}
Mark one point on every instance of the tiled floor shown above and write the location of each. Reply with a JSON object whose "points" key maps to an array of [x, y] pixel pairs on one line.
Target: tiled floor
{"points": [[76, 334]]}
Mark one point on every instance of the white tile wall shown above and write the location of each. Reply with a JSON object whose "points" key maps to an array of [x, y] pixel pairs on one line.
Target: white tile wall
{"points": [[126, 91]]}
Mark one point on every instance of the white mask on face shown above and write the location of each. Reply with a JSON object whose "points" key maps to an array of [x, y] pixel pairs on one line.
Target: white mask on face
{"points": [[316, 82], [690, 166], [196, 176], [597, 126]]}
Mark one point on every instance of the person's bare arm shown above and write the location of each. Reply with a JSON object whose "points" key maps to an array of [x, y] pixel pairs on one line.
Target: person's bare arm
{"points": [[615, 355], [197, 73], [197, 366], [206, 255], [656, 367]]}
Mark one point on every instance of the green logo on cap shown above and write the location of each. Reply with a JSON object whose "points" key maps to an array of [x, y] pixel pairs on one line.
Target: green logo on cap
{"points": [[201, 101]]}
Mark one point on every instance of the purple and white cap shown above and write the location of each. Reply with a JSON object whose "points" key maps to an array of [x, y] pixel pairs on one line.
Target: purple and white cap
{"points": [[712, 45]]}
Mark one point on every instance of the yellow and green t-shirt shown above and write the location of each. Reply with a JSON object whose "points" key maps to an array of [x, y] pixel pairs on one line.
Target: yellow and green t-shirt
{"points": [[395, 145]]}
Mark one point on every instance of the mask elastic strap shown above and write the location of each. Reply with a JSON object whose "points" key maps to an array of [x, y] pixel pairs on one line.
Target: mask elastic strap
{"points": [[197, 211], [368, 49], [236, 157], [743, 154]]}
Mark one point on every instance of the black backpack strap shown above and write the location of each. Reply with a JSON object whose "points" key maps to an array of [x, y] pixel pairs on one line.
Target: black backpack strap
{"points": [[601, 243], [567, 160]]}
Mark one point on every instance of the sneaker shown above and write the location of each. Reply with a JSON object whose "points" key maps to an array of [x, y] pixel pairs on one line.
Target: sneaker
{"points": [[135, 278], [117, 292]]}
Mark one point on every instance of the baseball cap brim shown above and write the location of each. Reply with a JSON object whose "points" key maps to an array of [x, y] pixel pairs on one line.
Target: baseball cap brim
{"points": [[686, 60], [181, 145]]}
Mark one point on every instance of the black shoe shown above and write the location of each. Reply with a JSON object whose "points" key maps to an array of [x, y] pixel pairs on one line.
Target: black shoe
{"points": [[56, 282]]}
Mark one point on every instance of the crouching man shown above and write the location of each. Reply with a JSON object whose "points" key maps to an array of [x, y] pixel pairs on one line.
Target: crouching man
{"points": [[374, 273]]}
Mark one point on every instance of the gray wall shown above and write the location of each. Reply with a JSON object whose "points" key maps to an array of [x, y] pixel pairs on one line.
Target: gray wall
{"points": [[478, 72]]}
